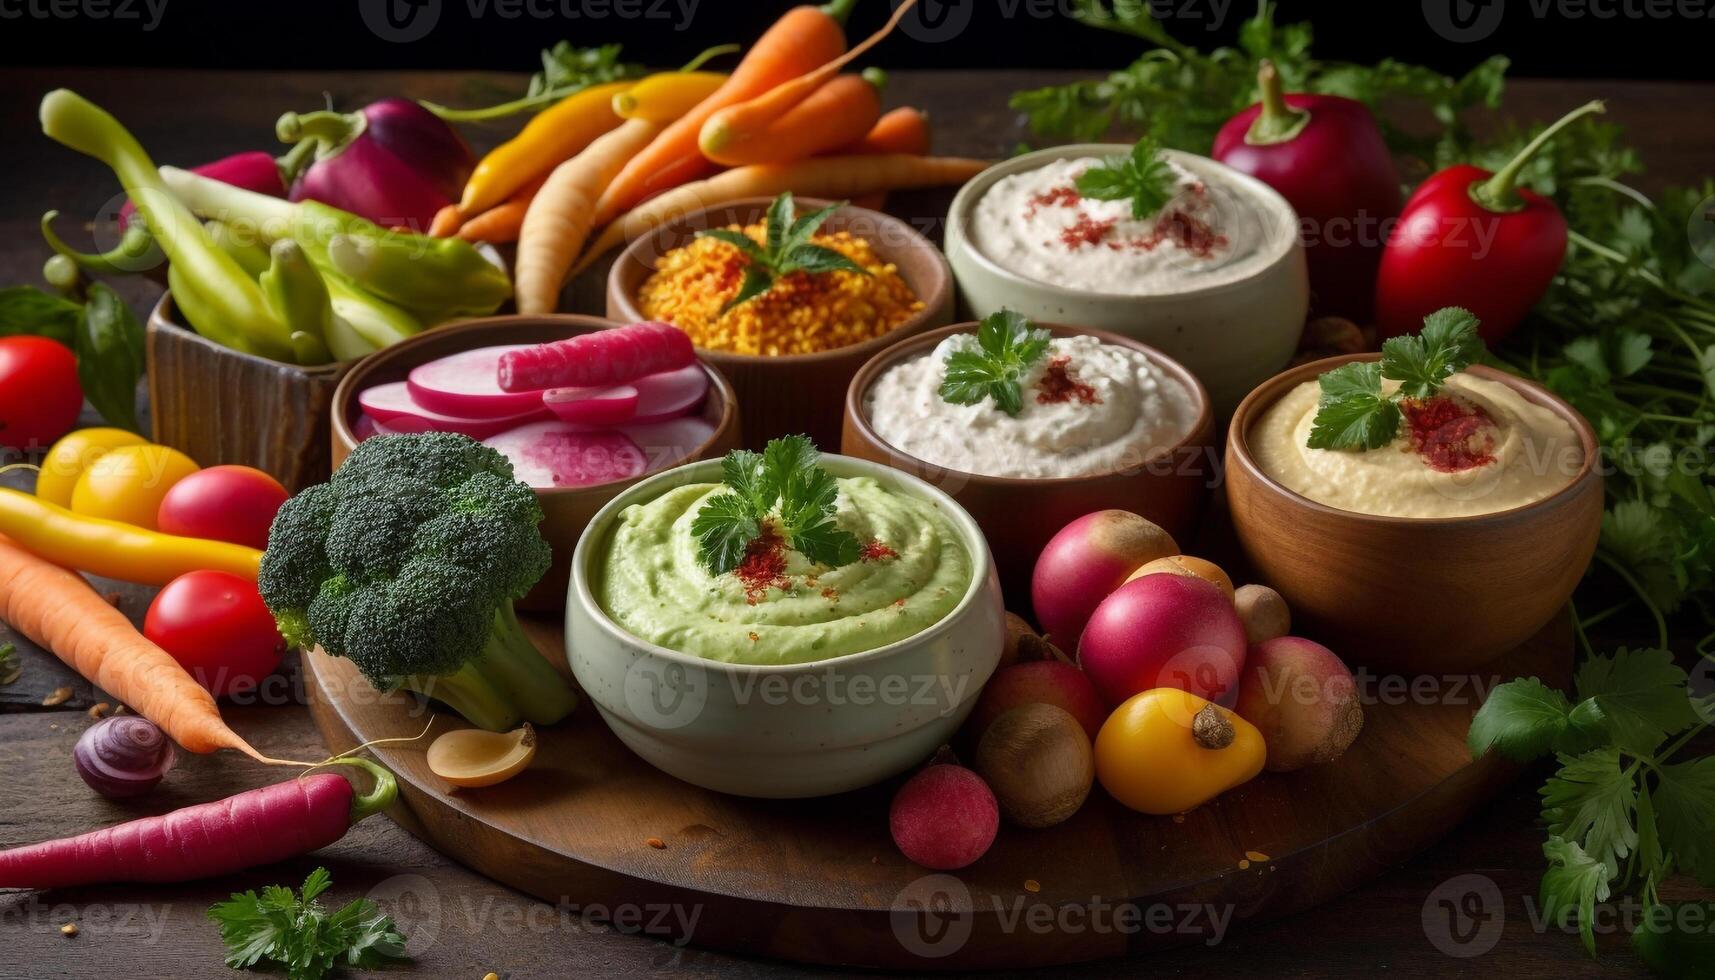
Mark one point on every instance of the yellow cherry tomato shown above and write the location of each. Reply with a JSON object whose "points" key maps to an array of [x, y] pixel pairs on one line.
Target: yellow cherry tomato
{"points": [[1188, 566], [128, 483], [1165, 751], [73, 454]]}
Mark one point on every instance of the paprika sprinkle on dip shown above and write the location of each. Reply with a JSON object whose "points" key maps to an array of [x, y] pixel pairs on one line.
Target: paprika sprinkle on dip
{"points": [[1448, 435]]}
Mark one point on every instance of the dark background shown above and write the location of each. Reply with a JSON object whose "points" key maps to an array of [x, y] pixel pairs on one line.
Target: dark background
{"points": [[1673, 39]]}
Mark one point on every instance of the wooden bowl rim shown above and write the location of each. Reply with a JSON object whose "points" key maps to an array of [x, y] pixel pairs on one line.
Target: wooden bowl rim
{"points": [[1202, 427], [937, 299], [164, 315], [1264, 396], [345, 395]]}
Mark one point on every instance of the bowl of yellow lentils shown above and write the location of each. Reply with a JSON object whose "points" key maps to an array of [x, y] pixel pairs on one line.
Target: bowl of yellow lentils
{"points": [[790, 349]]}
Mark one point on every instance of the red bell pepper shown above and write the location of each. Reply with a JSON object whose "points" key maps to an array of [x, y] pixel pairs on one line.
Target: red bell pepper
{"points": [[1471, 238], [1326, 156], [252, 170]]}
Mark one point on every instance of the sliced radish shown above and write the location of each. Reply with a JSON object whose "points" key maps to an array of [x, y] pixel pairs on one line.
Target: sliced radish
{"points": [[670, 394], [467, 385], [395, 406], [561, 454], [601, 359], [593, 406], [667, 444], [364, 428]]}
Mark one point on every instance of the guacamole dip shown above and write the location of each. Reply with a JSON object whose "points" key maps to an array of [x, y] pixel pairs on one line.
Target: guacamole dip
{"points": [[780, 608]]}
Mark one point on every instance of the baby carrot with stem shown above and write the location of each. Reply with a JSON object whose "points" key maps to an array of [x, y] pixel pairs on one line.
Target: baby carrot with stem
{"points": [[838, 113], [902, 130]]}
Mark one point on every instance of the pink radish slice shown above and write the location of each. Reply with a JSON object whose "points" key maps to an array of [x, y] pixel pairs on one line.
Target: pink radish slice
{"points": [[667, 444], [593, 406], [394, 406], [363, 428], [561, 454], [466, 385], [597, 360], [670, 394]]}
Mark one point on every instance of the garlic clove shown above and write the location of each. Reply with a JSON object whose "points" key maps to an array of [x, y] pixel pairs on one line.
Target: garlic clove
{"points": [[472, 757]]}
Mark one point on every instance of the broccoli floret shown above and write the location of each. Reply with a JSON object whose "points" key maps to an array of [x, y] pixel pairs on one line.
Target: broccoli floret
{"points": [[407, 563]]}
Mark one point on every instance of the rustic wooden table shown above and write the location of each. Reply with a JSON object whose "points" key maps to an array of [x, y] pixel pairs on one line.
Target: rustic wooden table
{"points": [[1466, 907]]}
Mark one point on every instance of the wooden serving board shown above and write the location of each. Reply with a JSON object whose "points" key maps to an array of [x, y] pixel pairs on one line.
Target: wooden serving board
{"points": [[820, 880]]}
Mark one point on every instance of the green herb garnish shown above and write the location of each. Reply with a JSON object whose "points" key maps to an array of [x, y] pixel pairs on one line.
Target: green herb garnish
{"points": [[1353, 413], [10, 668], [786, 250], [1142, 177], [782, 486], [298, 934], [1620, 811], [1007, 345]]}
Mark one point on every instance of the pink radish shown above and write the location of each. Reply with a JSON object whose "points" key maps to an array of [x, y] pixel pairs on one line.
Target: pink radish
{"points": [[563, 454], [464, 385], [593, 406], [670, 394], [364, 428], [391, 405], [597, 360], [253, 828], [667, 444]]}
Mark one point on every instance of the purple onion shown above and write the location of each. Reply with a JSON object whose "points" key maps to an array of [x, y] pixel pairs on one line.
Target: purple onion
{"points": [[393, 162], [123, 756]]}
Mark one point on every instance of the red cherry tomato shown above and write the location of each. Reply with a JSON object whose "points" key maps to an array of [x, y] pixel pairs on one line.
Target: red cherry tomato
{"points": [[39, 394], [217, 627], [223, 503]]}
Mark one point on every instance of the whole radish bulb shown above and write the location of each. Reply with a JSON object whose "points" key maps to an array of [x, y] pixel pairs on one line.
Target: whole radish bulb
{"points": [[393, 162]]}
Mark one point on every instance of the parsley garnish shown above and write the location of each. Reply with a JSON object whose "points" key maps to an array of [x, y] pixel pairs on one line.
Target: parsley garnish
{"points": [[1008, 344], [1353, 413], [782, 485], [1143, 178], [300, 935], [787, 249]]}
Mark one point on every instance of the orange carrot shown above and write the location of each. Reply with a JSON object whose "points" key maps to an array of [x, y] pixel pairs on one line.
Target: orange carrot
{"points": [[751, 120], [833, 177], [447, 222], [58, 610], [560, 218], [836, 114], [501, 223], [802, 39], [904, 130]]}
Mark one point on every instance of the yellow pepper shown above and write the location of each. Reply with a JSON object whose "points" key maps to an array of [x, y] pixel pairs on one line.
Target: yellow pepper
{"points": [[112, 549], [665, 97], [1165, 751], [553, 137]]}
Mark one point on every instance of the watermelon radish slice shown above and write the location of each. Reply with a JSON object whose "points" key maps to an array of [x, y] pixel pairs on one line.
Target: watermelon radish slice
{"points": [[394, 406], [466, 385], [562, 454], [593, 406]]}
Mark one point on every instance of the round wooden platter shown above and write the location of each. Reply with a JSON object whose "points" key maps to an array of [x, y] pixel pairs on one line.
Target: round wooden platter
{"points": [[820, 881]]}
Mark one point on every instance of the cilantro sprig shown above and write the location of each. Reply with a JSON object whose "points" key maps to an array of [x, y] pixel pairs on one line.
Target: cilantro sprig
{"points": [[296, 932], [1008, 345], [1623, 811], [1142, 177], [1353, 413], [783, 486], [787, 249]]}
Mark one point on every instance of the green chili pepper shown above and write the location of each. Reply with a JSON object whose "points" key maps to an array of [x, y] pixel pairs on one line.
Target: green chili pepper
{"points": [[136, 251], [295, 292], [246, 251], [215, 294]]}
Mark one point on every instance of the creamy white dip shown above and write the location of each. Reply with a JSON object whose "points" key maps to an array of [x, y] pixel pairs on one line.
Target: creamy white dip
{"points": [[1215, 229], [1130, 411]]}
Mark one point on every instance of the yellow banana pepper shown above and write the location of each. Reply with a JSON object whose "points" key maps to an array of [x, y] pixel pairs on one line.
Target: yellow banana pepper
{"points": [[665, 97], [553, 137], [112, 549], [1165, 751]]}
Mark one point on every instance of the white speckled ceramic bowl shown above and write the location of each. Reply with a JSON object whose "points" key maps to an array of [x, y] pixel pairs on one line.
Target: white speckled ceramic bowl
{"points": [[1233, 335], [785, 731]]}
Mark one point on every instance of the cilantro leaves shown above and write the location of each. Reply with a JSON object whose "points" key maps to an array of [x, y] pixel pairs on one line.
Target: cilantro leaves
{"points": [[782, 487], [1142, 177], [787, 249], [298, 934], [1352, 413], [1008, 345]]}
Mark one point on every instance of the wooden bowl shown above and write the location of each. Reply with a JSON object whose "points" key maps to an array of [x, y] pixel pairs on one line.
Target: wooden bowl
{"points": [[1019, 516], [221, 406], [796, 392], [566, 510], [1415, 595]]}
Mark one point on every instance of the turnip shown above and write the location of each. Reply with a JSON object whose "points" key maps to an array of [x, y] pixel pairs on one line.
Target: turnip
{"points": [[1164, 631], [467, 385], [392, 406], [1087, 560]]}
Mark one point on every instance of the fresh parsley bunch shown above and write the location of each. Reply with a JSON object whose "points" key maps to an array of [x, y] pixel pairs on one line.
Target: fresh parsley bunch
{"points": [[295, 932], [787, 249], [1008, 345], [1353, 413], [783, 484], [1624, 810], [1142, 177]]}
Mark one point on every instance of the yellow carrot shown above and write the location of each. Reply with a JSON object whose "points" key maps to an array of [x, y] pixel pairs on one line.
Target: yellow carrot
{"points": [[660, 98], [555, 135]]}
